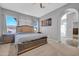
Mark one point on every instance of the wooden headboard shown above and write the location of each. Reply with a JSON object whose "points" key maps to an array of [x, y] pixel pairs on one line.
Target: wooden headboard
{"points": [[24, 28]]}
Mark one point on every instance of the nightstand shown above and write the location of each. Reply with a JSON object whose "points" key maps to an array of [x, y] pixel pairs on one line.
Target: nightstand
{"points": [[8, 38]]}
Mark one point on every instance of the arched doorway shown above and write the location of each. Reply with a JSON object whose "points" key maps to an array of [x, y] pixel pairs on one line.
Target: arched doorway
{"points": [[69, 26]]}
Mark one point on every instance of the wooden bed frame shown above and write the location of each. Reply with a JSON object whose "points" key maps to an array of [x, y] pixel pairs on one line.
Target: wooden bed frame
{"points": [[29, 45], [24, 28]]}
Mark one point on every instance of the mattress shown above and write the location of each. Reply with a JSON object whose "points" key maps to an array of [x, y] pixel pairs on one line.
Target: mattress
{"points": [[23, 37]]}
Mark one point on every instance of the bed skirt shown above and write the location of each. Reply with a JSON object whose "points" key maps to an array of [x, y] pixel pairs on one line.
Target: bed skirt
{"points": [[29, 45]]}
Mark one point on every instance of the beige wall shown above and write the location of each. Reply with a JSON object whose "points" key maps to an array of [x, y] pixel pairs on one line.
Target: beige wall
{"points": [[22, 18], [53, 32]]}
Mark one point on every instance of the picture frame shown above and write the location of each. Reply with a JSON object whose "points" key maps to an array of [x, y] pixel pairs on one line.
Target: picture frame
{"points": [[46, 22]]}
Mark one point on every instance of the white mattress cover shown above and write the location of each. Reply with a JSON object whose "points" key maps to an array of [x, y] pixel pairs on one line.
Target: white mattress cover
{"points": [[19, 38]]}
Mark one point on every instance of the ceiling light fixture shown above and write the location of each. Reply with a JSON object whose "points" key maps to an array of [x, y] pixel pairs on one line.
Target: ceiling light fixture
{"points": [[42, 6]]}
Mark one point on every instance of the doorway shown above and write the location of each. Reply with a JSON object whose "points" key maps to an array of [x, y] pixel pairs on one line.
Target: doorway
{"points": [[69, 27]]}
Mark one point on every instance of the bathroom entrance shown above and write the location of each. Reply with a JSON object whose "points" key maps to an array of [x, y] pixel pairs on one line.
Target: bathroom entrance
{"points": [[69, 27]]}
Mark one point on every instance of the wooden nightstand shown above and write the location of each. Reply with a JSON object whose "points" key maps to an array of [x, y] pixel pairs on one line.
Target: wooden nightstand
{"points": [[8, 38]]}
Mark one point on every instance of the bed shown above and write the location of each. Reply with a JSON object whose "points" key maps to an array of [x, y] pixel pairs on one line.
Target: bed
{"points": [[26, 39]]}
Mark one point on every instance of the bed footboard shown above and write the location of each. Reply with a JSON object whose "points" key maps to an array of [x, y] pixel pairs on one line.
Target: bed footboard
{"points": [[29, 45]]}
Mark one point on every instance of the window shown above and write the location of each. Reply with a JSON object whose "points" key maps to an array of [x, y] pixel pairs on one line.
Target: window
{"points": [[11, 24], [35, 26], [63, 25]]}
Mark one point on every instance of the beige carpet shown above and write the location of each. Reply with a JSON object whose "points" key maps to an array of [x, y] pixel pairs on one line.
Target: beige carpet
{"points": [[4, 49], [51, 49]]}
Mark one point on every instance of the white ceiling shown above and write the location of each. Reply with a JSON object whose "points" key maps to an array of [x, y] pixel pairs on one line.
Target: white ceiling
{"points": [[32, 9]]}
